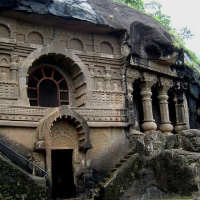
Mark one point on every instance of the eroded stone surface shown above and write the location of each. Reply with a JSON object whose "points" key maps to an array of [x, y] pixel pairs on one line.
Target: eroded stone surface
{"points": [[190, 140], [156, 173]]}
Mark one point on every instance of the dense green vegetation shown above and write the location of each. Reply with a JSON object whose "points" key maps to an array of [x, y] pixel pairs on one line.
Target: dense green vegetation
{"points": [[154, 10]]}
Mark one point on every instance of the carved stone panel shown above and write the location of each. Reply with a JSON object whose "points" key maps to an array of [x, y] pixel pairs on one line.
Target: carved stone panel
{"points": [[76, 44], [4, 31], [63, 135], [106, 47], [35, 38]]}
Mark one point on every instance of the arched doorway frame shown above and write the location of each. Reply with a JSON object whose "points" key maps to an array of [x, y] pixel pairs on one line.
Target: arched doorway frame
{"points": [[56, 47], [83, 132]]}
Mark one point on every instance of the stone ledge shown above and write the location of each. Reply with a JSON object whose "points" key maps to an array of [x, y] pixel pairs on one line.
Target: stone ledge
{"points": [[108, 124], [19, 123]]}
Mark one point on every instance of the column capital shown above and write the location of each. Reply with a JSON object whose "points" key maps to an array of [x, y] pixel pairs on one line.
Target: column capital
{"points": [[148, 80], [165, 84], [14, 62], [132, 74], [163, 81], [149, 77]]}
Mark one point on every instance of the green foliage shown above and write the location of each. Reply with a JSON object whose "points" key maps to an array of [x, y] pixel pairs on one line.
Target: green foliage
{"points": [[111, 16], [154, 10], [185, 33], [137, 4]]}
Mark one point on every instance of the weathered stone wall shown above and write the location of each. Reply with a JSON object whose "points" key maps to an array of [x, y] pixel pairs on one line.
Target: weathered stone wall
{"points": [[109, 146], [17, 184], [22, 141]]}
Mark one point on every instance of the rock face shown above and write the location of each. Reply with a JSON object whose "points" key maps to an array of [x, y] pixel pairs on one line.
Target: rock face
{"points": [[149, 42], [147, 38], [17, 184], [190, 140], [156, 172]]}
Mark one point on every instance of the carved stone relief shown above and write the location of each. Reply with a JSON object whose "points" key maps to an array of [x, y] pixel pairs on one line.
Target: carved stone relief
{"points": [[76, 44], [4, 31], [4, 74], [34, 34], [35, 38], [8, 90], [101, 97], [106, 47], [63, 135], [4, 60]]}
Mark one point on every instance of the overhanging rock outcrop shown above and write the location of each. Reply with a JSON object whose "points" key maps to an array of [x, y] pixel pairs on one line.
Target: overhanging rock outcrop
{"points": [[146, 38]]}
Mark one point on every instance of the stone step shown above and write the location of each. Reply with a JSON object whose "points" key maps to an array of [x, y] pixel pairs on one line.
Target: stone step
{"points": [[113, 169], [109, 175], [123, 160], [127, 156], [105, 179], [118, 165]]}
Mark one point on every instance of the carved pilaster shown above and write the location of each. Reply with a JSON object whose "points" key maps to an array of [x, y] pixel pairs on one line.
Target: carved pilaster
{"points": [[14, 67], [92, 74], [131, 76], [148, 81], [107, 78], [180, 111], [165, 124]]}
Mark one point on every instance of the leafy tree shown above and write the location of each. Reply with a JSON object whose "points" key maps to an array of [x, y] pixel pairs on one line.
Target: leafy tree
{"points": [[154, 10], [185, 33], [137, 4]]}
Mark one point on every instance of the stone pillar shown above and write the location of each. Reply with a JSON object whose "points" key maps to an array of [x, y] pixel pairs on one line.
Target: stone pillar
{"points": [[165, 124], [148, 122], [180, 111], [14, 68]]}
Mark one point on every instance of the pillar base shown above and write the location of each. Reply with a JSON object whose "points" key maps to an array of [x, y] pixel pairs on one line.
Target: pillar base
{"points": [[148, 126], [166, 128], [180, 128]]}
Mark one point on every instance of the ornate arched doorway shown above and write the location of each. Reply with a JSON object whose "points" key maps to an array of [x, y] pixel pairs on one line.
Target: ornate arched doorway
{"points": [[63, 154], [47, 87], [65, 135]]}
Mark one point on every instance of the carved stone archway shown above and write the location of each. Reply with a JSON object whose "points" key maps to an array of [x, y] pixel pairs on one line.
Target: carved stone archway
{"points": [[77, 69], [48, 138]]}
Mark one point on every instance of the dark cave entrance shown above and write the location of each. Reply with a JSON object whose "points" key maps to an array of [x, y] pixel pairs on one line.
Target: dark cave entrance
{"points": [[62, 174]]}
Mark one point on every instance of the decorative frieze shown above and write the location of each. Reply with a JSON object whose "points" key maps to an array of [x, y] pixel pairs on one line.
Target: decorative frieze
{"points": [[22, 113], [35, 114], [107, 115], [108, 97]]}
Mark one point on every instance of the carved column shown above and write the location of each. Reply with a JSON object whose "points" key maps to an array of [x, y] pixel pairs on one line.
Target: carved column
{"points": [[148, 81], [14, 67], [180, 111], [165, 124], [131, 76]]}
